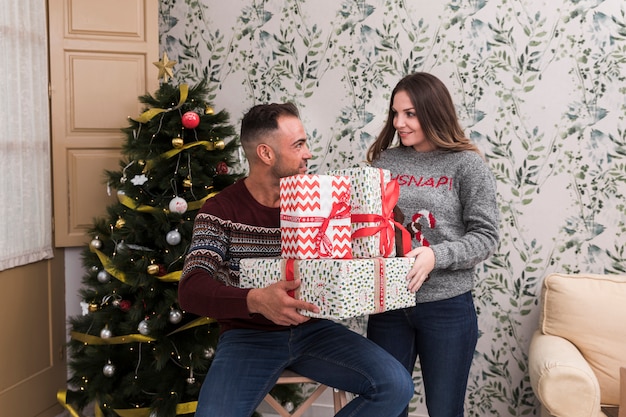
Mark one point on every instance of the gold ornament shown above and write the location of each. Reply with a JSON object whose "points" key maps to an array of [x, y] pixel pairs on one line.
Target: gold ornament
{"points": [[120, 223], [219, 145], [209, 110], [93, 307], [178, 143], [165, 68], [187, 182], [153, 269]]}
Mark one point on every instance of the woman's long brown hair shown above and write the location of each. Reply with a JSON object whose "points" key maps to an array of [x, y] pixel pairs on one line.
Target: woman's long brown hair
{"points": [[435, 111]]}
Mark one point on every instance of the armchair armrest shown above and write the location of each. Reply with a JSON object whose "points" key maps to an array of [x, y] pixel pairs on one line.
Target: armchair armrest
{"points": [[561, 378]]}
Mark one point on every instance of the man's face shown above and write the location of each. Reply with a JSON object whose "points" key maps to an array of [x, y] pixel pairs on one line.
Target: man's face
{"points": [[291, 150]]}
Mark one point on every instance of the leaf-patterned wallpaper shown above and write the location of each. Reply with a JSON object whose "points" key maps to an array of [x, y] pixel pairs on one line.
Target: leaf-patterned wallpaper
{"points": [[538, 84]]}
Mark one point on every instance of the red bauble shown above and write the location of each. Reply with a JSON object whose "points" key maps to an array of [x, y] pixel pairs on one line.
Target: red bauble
{"points": [[125, 305], [221, 168], [191, 120]]}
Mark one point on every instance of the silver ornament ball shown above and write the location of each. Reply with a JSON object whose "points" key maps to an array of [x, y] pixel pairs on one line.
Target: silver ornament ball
{"points": [[289, 406], [103, 277], [121, 247], [175, 316], [208, 353], [106, 333], [173, 237], [143, 327], [108, 370]]}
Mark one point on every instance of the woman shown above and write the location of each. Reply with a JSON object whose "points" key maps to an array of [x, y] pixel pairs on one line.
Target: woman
{"points": [[448, 198]]}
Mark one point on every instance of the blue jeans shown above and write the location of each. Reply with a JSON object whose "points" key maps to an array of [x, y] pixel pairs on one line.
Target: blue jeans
{"points": [[247, 364], [443, 334]]}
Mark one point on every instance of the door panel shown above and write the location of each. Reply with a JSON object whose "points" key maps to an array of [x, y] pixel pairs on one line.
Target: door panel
{"points": [[101, 56], [86, 196]]}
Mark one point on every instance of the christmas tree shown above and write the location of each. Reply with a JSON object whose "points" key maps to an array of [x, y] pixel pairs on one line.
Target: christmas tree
{"points": [[133, 351]]}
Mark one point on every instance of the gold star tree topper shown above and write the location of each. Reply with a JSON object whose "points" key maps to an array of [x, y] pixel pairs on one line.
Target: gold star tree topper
{"points": [[165, 68]]}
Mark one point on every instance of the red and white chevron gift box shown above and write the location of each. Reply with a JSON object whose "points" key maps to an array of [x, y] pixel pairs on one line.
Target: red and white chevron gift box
{"points": [[315, 217]]}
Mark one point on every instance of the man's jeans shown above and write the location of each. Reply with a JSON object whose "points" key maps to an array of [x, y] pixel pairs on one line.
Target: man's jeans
{"points": [[247, 364], [444, 335]]}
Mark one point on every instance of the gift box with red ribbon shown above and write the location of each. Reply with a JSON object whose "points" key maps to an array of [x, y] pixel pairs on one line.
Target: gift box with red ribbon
{"points": [[373, 197], [341, 288], [315, 217]]}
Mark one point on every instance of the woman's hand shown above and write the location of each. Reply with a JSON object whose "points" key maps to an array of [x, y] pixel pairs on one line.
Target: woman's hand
{"points": [[423, 265]]}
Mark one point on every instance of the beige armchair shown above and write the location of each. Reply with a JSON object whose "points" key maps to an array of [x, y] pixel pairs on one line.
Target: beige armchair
{"points": [[576, 354]]}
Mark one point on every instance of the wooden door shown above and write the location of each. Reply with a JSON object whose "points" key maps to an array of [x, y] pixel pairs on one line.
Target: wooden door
{"points": [[101, 60]]}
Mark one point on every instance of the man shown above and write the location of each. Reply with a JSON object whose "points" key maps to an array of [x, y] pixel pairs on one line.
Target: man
{"points": [[262, 332]]}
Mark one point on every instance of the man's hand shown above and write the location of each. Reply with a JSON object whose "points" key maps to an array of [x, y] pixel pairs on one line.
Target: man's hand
{"points": [[275, 304], [423, 265]]}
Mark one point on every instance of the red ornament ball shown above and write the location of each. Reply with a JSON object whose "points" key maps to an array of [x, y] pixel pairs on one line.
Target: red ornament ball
{"points": [[191, 120], [124, 305], [221, 168]]}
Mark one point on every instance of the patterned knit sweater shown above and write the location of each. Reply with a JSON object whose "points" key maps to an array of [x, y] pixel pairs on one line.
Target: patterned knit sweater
{"points": [[449, 203], [230, 226]]}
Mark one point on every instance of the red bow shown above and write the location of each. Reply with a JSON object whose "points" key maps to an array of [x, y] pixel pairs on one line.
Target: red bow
{"points": [[385, 222], [339, 210]]}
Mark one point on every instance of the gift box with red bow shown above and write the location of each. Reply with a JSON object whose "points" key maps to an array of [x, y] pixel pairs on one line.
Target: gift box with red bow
{"points": [[341, 288], [315, 217], [373, 197]]}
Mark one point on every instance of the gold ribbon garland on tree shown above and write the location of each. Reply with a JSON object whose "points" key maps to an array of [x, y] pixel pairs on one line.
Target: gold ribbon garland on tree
{"points": [[149, 114], [181, 408]]}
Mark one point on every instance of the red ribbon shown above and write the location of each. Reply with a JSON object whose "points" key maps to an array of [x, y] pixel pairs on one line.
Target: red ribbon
{"points": [[290, 275], [339, 210], [385, 222]]}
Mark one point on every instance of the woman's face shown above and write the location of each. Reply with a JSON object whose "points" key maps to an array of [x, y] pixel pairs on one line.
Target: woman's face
{"points": [[407, 125]]}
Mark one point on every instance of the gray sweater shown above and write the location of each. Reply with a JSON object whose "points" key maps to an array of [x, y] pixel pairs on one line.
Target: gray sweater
{"points": [[449, 203]]}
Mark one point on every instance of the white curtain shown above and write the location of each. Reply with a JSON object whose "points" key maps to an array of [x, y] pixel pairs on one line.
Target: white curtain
{"points": [[25, 180]]}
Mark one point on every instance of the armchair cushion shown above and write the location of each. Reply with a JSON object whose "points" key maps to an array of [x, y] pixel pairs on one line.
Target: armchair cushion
{"points": [[590, 312]]}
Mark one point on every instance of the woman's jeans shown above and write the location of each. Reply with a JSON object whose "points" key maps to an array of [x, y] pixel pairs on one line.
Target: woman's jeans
{"points": [[247, 364], [443, 334]]}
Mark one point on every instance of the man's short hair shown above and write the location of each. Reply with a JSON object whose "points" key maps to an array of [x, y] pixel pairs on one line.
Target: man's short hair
{"points": [[262, 119]]}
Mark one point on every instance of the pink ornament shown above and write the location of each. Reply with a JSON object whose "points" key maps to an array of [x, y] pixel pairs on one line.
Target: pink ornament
{"points": [[191, 120]]}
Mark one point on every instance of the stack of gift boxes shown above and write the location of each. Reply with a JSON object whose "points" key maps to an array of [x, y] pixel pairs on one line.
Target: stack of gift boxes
{"points": [[338, 236]]}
